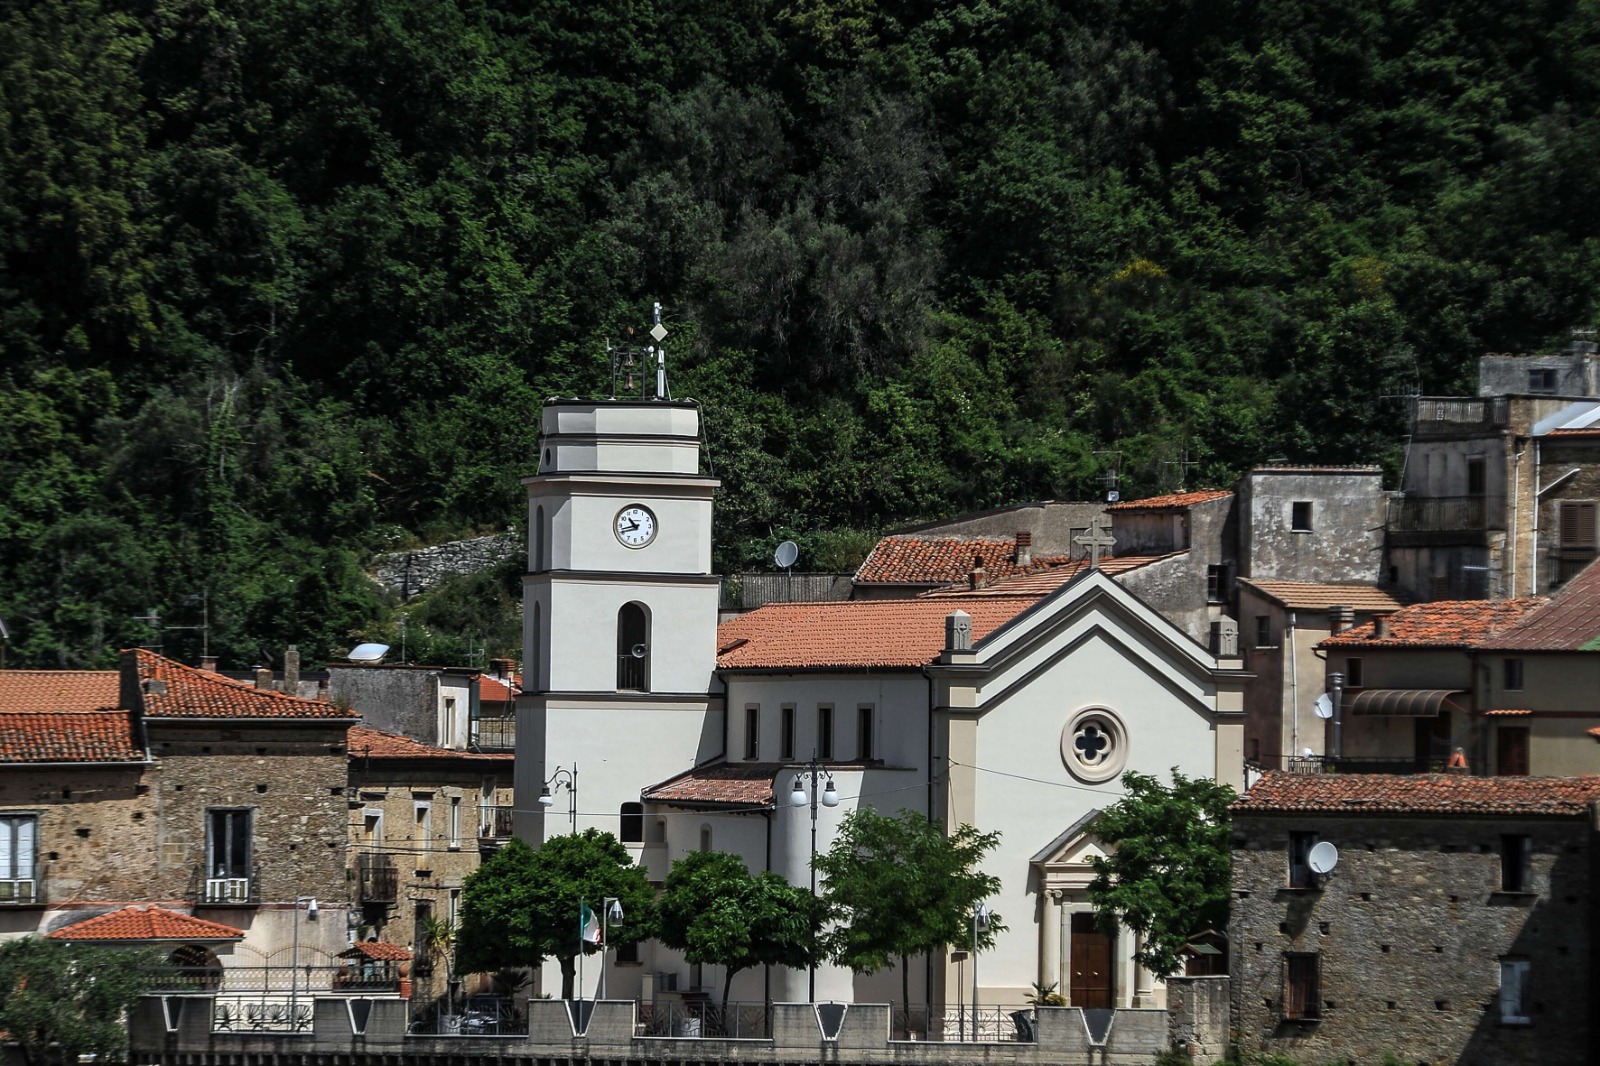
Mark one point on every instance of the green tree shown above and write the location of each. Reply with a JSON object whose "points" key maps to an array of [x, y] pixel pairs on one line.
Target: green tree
{"points": [[900, 886], [60, 1001], [715, 911], [523, 905], [1165, 875]]}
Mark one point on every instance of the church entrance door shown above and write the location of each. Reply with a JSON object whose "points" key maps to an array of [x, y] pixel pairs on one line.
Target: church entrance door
{"points": [[1091, 964]]}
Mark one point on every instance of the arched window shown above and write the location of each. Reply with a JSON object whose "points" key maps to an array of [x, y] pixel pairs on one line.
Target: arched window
{"points": [[632, 823], [633, 648], [705, 836], [535, 680], [538, 538]]}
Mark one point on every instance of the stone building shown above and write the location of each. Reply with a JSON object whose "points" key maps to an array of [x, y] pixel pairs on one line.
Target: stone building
{"points": [[1456, 925], [437, 705]]}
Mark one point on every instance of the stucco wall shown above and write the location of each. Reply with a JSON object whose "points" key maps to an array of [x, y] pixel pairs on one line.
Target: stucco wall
{"points": [[1345, 542], [399, 699]]}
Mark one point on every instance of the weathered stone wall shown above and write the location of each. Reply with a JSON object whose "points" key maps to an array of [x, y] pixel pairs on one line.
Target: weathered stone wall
{"points": [[411, 573], [1345, 541], [1410, 930], [1176, 587]]}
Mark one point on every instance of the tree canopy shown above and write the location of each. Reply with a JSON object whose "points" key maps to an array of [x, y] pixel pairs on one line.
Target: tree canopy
{"points": [[60, 1002], [1167, 867]]}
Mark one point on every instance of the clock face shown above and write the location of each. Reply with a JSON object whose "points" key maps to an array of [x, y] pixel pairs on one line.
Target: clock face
{"points": [[635, 526]]}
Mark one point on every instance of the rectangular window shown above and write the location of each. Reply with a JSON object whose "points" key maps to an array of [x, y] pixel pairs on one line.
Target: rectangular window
{"points": [[1577, 526], [1216, 584], [1516, 862], [1263, 631], [227, 843], [1477, 476], [632, 823], [1513, 675], [455, 821], [786, 733], [449, 731], [752, 732], [824, 732], [423, 828], [864, 721], [19, 835], [1302, 993], [1514, 997], [1354, 674], [1300, 516], [422, 961], [628, 954], [1300, 845], [1542, 380], [1511, 751]]}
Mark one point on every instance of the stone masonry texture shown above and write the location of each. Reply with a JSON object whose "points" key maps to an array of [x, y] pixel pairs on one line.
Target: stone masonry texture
{"points": [[411, 573]]}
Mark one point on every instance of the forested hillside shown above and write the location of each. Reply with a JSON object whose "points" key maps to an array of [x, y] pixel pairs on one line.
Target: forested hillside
{"points": [[282, 282]]}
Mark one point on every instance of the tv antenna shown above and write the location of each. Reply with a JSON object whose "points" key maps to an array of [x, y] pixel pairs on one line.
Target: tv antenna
{"points": [[1111, 476], [631, 363], [1183, 463], [204, 599]]}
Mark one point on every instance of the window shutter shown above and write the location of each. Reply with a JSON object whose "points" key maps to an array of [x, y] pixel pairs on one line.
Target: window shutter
{"points": [[8, 827], [23, 859], [1577, 525]]}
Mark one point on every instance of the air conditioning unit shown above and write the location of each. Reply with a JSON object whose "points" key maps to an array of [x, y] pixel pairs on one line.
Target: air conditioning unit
{"points": [[16, 891], [227, 889]]}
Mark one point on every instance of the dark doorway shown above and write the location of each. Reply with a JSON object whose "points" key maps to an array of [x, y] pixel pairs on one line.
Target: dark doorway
{"points": [[1511, 751], [1433, 742], [1091, 964]]}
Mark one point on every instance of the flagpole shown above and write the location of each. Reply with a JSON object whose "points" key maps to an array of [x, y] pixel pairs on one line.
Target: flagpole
{"points": [[583, 906]]}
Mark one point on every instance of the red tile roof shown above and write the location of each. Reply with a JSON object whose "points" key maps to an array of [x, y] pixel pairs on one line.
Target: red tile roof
{"points": [[58, 690], [492, 689], [720, 785], [1043, 582], [1171, 501], [1446, 794], [911, 560], [1319, 596], [1440, 624], [854, 634], [376, 949], [192, 693], [83, 736], [368, 743], [136, 924], [1569, 622]]}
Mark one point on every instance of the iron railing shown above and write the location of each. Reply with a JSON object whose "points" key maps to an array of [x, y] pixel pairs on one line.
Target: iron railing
{"points": [[272, 1016], [470, 1023], [495, 823], [1438, 514], [377, 882], [494, 734], [206, 980], [633, 673], [741, 1021], [1446, 414], [1367, 764], [985, 1025]]}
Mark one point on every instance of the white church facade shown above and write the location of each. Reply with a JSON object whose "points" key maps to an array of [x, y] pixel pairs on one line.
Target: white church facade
{"points": [[1012, 712]]}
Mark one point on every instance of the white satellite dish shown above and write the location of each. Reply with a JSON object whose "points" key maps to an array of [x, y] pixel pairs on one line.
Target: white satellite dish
{"points": [[786, 554], [368, 653], [1323, 706], [1323, 858]]}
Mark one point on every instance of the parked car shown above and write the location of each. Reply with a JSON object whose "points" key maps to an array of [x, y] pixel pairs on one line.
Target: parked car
{"points": [[487, 1014]]}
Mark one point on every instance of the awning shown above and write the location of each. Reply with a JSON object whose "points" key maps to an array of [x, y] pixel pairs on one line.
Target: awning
{"points": [[1405, 702]]}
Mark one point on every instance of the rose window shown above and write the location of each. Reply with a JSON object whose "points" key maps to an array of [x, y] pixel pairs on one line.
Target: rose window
{"points": [[1094, 745]]}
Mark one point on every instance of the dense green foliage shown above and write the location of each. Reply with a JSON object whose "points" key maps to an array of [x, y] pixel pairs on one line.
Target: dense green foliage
{"points": [[1165, 875], [523, 906], [898, 886], [59, 1002], [283, 282]]}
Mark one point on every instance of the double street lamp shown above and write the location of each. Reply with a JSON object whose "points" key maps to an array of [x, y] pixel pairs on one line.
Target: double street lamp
{"points": [[567, 779], [799, 798]]}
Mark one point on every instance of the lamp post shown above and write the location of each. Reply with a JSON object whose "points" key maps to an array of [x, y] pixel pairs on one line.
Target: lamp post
{"points": [[798, 798], [294, 972], [567, 779], [613, 913], [980, 924]]}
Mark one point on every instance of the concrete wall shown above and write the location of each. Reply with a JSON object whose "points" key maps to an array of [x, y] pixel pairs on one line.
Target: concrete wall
{"points": [[1577, 374], [1345, 542], [1409, 931], [409, 700], [1176, 587]]}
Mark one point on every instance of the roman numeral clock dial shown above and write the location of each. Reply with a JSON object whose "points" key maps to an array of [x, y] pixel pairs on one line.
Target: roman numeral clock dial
{"points": [[635, 526]]}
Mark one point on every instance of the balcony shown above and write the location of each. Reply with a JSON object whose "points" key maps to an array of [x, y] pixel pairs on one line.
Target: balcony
{"points": [[495, 823], [226, 888], [377, 882], [1453, 416], [1428, 514], [494, 734]]}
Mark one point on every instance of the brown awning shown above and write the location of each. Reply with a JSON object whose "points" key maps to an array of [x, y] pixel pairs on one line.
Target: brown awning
{"points": [[1405, 702]]}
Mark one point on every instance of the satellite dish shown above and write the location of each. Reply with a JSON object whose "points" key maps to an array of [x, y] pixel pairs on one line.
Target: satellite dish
{"points": [[1323, 706], [1113, 496], [368, 653], [1323, 858], [786, 554]]}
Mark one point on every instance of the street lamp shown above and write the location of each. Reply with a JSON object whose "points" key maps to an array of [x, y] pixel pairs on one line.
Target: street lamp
{"points": [[567, 779], [799, 798], [294, 972], [613, 915], [980, 924]]}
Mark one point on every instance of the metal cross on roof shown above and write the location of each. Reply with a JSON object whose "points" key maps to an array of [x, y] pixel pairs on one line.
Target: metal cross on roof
{"points": [[1097, 537]]}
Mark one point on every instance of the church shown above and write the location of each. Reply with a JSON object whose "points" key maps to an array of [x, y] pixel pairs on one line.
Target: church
{"points": [[1014, 708]]}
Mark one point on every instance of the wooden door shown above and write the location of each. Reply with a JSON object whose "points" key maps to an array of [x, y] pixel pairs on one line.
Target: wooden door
{"points": [[1511, 751], [1091, 964]]}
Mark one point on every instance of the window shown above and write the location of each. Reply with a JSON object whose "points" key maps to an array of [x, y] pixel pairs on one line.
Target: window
{"points": [[1542, 380], [705, 837], [752, 732], [455, 821], [1301, 986], [538, 539], [1300, 845], [1354, 674], [1577, 526], [455, 908], [824, 732], [1513, 675], [448, 733], [1300, 516], [1511, 751], [864, 721], [1094, 745], [786, 734], [1477, 480], [628, 954], [227, 843], [1516, 862], [632, 823], [19, 834], [633, 648], [422, 826], [422, 962], [1216, 584], [1263, 631], [1514, 992]]}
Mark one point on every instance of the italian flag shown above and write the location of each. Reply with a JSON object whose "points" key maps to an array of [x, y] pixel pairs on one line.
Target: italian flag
{"points": [[588, 924]]}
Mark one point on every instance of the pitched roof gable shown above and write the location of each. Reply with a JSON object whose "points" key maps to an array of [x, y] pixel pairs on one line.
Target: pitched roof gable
{"points": [[173, 690], [1171, 501], [146, 924], [913, 560], [1440, 794], [1569, 622], [1319, 595]]}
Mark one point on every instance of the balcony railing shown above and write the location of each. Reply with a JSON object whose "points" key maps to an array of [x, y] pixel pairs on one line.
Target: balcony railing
{"points": [[1454, 414], [1433, 514], [494, 734], [633, 673], [226, 888], [377, 883], [494, 823]]}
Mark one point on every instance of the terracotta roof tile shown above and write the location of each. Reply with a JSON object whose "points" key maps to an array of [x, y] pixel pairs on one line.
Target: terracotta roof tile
{"points": [[58, 690], [1595, 732], [1569, 622], [719, 785], [492, 689], [854, 634], [1446, 794], [1045, 581], [192, 693], [134, 924], [1317, 596], [1440, 624], [1171, 501], [909, 560], [84, 736], [368, 743], [376, 949]]}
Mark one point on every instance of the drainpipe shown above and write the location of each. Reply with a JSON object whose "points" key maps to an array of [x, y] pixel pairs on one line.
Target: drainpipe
{"points": [[1516, 501], [1538, 494], [1336, 684], [927, 960], [1294, 692]]}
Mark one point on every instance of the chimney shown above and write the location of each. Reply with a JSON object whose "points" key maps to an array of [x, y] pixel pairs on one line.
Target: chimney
{"points": [[1024, 548], [291, 669], [502, 667], [208, 663], [322, 689], [979, 576], [1342, 618], [264, 678], [1380, 627]]}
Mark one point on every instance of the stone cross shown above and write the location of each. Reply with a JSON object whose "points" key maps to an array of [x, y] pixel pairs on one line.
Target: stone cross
{"points": [[958, 631], [1225, 638], [1097, 537]]}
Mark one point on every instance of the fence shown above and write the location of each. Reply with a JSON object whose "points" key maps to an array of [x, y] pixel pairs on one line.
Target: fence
{"points": [[953, 1025], [246, 979], [741, 1021], [1434, 514]]}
